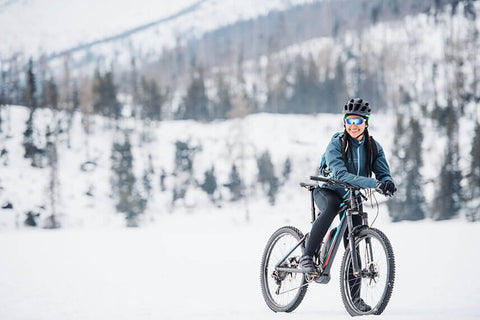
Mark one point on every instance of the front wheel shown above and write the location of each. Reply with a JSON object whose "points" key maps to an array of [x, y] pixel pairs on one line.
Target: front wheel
{"points": [[282, 291], [369, 292]]}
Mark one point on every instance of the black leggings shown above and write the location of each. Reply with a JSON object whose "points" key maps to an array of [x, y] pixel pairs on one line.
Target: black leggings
{"points": [[327, 202]]}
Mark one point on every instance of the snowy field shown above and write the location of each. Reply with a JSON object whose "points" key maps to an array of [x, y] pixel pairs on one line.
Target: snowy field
{"points": [[206, 266], [199, 261]]}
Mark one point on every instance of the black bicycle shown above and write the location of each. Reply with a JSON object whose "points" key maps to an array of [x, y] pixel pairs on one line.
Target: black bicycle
{"points": [[368, 268]]}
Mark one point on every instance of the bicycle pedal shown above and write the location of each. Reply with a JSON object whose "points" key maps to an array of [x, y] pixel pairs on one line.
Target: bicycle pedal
{"points": [[311, 277]]}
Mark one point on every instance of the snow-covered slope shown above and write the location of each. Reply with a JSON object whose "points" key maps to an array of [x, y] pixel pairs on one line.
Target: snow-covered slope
{"points": [[301, 138], [48, 26]]}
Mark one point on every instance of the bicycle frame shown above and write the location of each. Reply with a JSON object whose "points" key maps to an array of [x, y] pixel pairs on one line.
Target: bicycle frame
{"points": [[348, 209], [367, 271]]}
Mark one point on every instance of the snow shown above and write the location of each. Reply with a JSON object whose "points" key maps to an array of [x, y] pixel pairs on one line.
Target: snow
{"points": [[47, 26], [302, 138], [206, 266], [201, 261]]}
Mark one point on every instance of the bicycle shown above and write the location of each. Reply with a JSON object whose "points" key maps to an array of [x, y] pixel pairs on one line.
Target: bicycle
{"points": [[370, 276]]}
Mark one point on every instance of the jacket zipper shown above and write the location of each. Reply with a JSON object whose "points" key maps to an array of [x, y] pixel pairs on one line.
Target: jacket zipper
{"points": [[358, 157]]}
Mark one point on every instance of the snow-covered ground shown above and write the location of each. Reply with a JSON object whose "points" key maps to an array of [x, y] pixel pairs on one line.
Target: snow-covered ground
{"points": [[206, 266], [200, 261]]}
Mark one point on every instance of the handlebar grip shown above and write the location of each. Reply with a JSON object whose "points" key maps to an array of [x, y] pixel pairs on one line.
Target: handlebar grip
{"points": [[317, 178]]}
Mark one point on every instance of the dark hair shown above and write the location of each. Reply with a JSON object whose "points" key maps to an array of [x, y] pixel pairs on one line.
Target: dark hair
{"points": [[347, 147]]}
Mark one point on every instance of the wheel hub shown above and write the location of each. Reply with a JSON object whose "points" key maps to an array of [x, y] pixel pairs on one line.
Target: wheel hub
{"points": [[371, 273]]}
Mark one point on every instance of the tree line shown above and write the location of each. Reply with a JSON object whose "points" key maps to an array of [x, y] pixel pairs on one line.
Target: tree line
{"points": [[303, 83]]}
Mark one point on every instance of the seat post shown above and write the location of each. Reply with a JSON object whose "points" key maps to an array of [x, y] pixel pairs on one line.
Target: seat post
{"points": [[313, 204]]}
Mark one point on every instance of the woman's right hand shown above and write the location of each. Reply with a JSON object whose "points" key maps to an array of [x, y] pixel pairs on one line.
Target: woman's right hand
{"points": [[387, 187]]}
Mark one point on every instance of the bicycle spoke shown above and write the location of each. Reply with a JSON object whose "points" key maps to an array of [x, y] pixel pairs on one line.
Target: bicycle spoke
{"points": [[290, 283], [373, 281]]}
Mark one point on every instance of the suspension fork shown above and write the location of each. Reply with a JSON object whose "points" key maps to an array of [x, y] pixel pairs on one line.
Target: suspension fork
{"points": [[351, 243], [369, 250], [368, 240]]}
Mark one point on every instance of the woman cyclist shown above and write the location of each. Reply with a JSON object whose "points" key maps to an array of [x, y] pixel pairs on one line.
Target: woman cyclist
{"points": [[352, 157]]}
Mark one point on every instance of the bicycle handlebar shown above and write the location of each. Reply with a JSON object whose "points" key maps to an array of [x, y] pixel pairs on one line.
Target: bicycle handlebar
{"points": [[333, 182], [338, 182]]}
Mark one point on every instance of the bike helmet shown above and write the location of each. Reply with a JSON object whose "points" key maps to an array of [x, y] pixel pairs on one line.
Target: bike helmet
{"points": [[357, 107]]}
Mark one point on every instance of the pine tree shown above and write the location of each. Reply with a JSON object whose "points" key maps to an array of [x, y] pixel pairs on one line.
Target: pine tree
{"points": [[147, 183], [32, 151], [266, 176], [447, 201], [223, 104], [134, 88], [195, 102], [234, 184], [163, 176], [184, 156], [299, 103], [287, 169], [3, 97], [210, 183], [147, 178], [52, 94], [75, 106], [415, 194], [97, 89], [105, 95], [30, 99], [152, 100], [339, 87], [3, 86], [473, 189], [409, 200], [128, 199], [274, 185], [53, 188], [28, 142]]}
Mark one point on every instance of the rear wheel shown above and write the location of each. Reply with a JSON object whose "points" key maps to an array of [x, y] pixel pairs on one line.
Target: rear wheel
{"points": [[369, 292], [282, 291]]}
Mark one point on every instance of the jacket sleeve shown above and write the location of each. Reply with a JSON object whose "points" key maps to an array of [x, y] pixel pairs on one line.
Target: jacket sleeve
{"points": [[334, 159], [380, 166]]}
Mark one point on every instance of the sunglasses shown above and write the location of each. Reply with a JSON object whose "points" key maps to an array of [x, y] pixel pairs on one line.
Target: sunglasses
{"points": [[357, 121]]}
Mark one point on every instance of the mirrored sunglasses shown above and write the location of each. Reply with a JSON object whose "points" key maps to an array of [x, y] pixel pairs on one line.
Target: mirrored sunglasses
{"points": [[357, 121]]}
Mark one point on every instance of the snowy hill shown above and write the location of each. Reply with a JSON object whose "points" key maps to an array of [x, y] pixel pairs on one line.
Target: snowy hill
{"points": [[45, 26], [300, 138], [85, 196]]}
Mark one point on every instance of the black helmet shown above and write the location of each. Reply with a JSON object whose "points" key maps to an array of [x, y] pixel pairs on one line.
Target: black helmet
{"points": [[357, 107]]}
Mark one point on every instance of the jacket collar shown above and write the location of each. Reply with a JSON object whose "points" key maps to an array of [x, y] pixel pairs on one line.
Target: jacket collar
{"points": [[357, 143]]}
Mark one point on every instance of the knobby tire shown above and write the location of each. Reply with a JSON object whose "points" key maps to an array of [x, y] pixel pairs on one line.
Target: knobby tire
{"points": [[287, 237], [385, 267]]}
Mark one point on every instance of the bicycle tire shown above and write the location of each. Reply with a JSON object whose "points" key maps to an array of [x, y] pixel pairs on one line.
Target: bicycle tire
{"points": [[383, 265], [287, 237]]}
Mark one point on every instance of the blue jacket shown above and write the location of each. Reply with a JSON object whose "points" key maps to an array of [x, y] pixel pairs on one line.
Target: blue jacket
{"points": [[356, 174]]}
